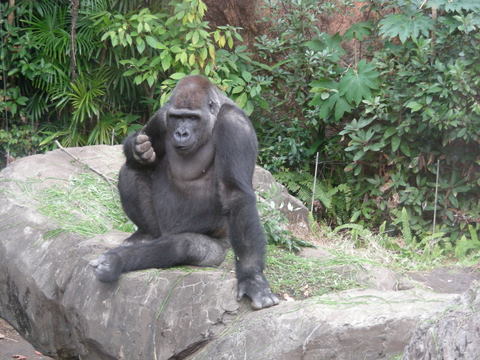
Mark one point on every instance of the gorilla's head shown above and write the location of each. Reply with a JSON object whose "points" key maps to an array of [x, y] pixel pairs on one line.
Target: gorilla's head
{"points": [[194, 105]]}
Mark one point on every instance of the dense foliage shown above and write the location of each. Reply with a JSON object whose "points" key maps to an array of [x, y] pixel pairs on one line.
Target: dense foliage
{"points": [[387, 104], [385, 112], [125, 58], [425, 118]]}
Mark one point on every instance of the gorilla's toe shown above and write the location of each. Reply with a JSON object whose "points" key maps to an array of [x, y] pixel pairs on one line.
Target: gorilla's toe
{"points": [[258, 290]]}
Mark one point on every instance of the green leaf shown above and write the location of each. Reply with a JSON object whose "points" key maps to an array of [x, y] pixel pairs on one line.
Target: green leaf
{"points": [[191, 59], [22, 100], [395, 143], [359, 31], [106, 35], [405, 26], [177, 76], [140, 44], [203, 53], [195, 38], [166, 63], [150, 81], [237, 89], [404, 148], [329, 44], [183, 57], [153, 43], [358, 155], [247, 76], [334, 103], [324, 84], [454, 6], [241, 100], [357, 85], [248, 108], [389, 132], [414, 106], [341, 107]]}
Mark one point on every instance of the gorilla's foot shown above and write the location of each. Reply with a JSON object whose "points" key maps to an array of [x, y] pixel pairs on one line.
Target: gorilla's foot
{"points": [[108, 267], [258, 290]]}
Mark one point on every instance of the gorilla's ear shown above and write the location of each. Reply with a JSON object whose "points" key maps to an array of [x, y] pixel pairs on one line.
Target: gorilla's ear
{"points": [[212, 106]]}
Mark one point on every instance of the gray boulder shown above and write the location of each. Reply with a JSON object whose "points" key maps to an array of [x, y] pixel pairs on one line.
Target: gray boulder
{"points": [[293, 209], [351, 325], [454, 334], [50, 295]]}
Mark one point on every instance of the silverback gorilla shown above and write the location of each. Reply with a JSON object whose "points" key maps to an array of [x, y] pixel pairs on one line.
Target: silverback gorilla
{"points": [[187, 185]]}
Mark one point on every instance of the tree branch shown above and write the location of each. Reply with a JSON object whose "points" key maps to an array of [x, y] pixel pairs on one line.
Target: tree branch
{"points": [[73, 39], [105, 177]]}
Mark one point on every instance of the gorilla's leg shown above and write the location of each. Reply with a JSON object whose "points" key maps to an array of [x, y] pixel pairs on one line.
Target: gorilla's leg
{"points": [[163, 252], [135, 190]]}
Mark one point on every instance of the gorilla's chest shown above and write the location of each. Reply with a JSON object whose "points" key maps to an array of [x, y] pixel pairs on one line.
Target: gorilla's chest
{"points": [[187, 205]]}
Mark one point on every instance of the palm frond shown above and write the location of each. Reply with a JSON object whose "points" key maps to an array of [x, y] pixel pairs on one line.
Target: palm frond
{"points": [[49, 34]]}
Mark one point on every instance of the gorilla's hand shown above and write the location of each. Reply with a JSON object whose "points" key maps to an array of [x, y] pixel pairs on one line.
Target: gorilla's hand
{"points": [[143, 150], [258, 290]]}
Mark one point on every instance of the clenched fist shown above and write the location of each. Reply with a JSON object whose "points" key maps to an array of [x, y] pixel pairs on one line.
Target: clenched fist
{"points": [[143, 150]]}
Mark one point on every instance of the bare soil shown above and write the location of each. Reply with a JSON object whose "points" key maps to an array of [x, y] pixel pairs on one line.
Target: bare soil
{"points": [[13, 346], [451, 280]]}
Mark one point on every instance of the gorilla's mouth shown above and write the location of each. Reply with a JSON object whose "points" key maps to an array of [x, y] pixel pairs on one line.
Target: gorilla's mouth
{"points": [[184, 147]]}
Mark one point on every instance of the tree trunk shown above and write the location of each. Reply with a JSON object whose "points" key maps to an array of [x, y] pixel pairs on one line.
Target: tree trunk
{"points": [[73, 39], [11, 16]]}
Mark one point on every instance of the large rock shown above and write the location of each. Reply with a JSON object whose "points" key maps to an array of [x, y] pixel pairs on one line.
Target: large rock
{"points": [[356, 324], [293, 209], [454, 334], [49, 293]]}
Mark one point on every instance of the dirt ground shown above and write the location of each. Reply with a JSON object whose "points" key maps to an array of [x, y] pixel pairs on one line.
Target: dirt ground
{"points": [[13, 346], [452, 280]]}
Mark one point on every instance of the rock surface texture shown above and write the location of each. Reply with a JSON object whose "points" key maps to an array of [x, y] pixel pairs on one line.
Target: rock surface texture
{"points": [[454, 334], [50, 295]]}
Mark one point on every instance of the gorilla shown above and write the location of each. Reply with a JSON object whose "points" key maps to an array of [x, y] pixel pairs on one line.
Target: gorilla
{"points": [[187, 186]]}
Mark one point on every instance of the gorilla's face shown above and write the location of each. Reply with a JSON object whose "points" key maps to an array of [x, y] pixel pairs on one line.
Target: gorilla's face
{"points": [[187, 129], [191, 114]]}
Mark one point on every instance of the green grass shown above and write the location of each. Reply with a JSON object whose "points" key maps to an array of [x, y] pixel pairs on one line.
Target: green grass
{"points": [[380, 249], [300, 277], [291, 275], [86, 205]]}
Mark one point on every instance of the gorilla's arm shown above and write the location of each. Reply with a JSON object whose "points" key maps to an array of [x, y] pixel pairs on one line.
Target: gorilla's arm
{"points": [[236, 151], [145, 147]]}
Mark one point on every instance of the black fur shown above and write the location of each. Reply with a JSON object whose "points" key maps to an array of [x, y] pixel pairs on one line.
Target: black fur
{"points": [[187, 185]]}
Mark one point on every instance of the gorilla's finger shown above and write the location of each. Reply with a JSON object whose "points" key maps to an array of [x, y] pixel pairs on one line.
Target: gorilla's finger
{"points": [[141, 138], [149, 155], [143, 147]]}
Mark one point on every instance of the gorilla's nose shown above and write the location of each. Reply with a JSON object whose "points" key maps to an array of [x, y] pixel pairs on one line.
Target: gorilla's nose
{"points": [[181, 135]]}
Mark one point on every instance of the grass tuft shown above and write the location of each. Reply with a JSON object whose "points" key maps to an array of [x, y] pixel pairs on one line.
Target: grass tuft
{"points": [[298, 277], [87, 205]]}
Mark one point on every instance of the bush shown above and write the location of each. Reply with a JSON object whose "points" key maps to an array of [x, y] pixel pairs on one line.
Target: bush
{"points": [[426, 114], [382, 124], [128, 59]]}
